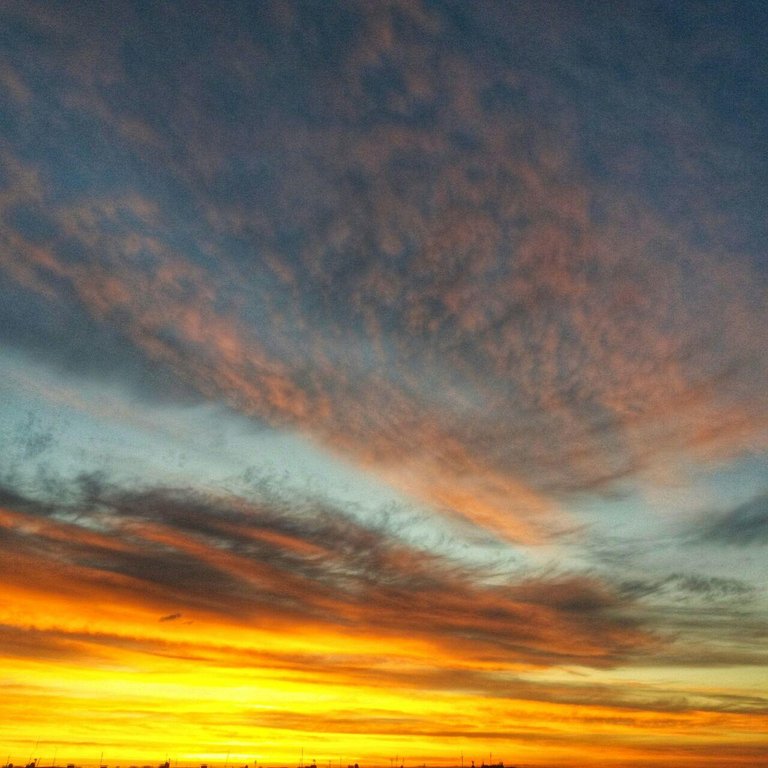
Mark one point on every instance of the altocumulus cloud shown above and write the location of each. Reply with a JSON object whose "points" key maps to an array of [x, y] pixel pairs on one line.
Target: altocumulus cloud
{"points": [[412, 254]]}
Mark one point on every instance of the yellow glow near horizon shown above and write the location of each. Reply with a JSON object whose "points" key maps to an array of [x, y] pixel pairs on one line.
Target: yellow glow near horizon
{"points": [[124, 679], [142, 705]]}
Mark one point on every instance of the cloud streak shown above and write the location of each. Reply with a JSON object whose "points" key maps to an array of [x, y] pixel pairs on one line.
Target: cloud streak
{"points": [[745, 525], [258, 564]]}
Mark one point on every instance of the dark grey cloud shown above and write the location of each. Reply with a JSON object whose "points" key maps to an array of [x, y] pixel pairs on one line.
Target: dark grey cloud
{"points": [[745, 525], [12, 498], [684, 587]]}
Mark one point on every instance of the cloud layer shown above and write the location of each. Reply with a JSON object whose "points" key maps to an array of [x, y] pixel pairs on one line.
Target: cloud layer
{"points": [[502, 264], [412, 241]]}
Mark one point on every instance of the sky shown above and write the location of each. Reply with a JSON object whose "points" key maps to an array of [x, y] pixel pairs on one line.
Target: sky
{"points": [[384, 381]]}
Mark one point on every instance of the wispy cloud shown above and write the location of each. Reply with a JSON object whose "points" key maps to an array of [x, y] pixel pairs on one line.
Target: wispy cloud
{"points": [[254, 562], [742, 526]]}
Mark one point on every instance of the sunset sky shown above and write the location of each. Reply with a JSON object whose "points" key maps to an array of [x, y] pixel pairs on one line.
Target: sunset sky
{"points": [[384, 381]]}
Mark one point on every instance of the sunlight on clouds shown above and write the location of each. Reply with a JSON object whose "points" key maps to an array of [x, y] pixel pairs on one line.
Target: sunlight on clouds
{"points": [[385, 380]]}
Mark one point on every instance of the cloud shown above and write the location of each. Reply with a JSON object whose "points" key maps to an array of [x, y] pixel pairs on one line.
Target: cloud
{"points": [[399, 254], [680, 586], [745, 525], [507, 259], [267, 563], [37, 645]]}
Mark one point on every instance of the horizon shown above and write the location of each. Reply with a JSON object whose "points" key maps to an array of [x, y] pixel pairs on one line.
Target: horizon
{"points": [[189, 763], [230, 760]]}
